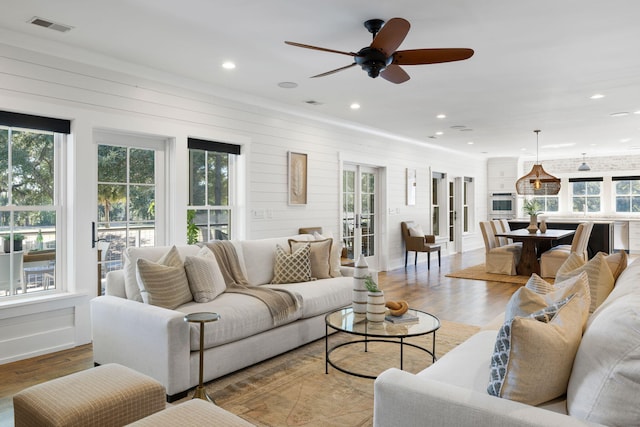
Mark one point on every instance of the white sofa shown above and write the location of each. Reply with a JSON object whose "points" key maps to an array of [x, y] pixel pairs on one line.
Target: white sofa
{"points": [[158, 342], [603, 388]]}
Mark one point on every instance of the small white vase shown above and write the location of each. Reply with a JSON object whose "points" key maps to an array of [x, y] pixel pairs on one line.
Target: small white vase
{"points": [[360, 273], [376, 309]]}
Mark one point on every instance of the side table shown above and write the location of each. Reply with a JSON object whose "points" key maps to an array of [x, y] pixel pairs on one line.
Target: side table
{"points": [[201, 318]]}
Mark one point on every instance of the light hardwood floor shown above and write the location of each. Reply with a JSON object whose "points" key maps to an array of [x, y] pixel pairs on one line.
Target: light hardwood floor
{"points": [[473, 302]]}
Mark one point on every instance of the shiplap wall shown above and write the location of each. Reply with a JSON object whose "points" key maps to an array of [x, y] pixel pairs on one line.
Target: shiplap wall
{"points": [[98, 98]]}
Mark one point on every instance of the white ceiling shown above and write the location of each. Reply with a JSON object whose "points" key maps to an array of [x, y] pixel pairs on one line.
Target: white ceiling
{"points": [[536, 63]]}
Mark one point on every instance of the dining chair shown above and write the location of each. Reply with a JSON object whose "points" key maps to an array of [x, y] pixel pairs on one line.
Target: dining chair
{"points": [[416, 241], [552, 259], [6, 259], [499, 259]]}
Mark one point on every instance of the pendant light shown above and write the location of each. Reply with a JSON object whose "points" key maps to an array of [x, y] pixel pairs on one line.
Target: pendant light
{"points": [[538, 182], [584, 167]]}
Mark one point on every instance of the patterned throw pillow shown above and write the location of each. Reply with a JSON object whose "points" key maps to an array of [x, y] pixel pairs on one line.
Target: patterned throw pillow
{"points": [[601, 279], [533, 355], [319, 256], [205, 278], [164, 283], [292, 268]]}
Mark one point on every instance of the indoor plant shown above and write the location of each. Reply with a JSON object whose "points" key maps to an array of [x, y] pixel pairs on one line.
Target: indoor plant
{"points": [[375, 301], [532, 208], [17, 242]]}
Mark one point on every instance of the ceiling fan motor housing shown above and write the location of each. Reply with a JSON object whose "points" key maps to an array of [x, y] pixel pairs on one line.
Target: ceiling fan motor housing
{"points": [[372, 60]]}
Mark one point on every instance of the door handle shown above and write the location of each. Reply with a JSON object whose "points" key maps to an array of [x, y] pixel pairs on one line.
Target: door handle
{"points": [[93, 235]]}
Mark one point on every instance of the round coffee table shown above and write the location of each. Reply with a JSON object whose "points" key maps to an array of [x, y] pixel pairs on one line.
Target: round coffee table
{"points": [[345, 320]]}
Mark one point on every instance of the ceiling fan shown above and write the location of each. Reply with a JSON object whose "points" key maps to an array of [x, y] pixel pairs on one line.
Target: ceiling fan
{"points": [[381, 58]]}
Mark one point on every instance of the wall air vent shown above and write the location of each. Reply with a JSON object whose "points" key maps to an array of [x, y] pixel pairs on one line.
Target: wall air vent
{"points": [[48, 24]]}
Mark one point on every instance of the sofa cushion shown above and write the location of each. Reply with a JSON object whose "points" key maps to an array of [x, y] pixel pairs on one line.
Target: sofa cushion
{"points": [[600, 277], [205, 278], [321, 296], [533, 355], [292, 267], [336, 252], [164, 283], [524, 301], [318, 256], [241, 316], [151, 253], [258, 256], [539, 285], [617, 263], [605, 381]]}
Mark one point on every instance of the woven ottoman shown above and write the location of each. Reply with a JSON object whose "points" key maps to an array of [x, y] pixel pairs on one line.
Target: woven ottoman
{"points": [[194, 413], [108, 395]]}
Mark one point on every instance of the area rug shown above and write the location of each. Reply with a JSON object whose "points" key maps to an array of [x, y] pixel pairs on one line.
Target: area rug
{"points": [[477, 273], [293, 390]]}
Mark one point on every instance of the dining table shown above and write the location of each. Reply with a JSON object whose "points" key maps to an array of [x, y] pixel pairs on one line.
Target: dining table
{"points": [[533, 245]]}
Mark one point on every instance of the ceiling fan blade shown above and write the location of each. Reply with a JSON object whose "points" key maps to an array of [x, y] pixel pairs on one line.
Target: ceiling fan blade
{"points": [[395, 74], [307, 46], [431, 56], [334, 71], [391, 35]]}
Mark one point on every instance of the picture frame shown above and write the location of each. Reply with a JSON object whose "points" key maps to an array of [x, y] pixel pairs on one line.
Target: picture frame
{"points": [[411, 187], [297, 178]]}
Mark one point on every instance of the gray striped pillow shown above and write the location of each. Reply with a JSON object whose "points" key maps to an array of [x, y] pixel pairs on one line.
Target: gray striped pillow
{"points": [[163, 283]]}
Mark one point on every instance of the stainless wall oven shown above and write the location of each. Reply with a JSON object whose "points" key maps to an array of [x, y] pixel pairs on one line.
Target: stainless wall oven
{"points": [[502, 205]]}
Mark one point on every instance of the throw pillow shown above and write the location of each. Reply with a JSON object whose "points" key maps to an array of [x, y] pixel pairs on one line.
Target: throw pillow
{"points": [[617, 263], [320, 253], [164, 283], [526, 301], [538, 284], [600, 277], [294, 267], [416, 231], [336, 253], [203, 273], [533, 355]]}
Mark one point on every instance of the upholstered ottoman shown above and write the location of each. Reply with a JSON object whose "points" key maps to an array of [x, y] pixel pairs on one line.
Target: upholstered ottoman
{"points": [[194, 413], [108, 395]]}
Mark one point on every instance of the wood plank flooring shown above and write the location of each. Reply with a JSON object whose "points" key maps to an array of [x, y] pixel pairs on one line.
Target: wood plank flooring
{"points": [[473, 302]]}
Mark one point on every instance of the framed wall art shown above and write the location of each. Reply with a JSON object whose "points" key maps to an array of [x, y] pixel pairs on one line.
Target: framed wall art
{"points": [[297, 178]]}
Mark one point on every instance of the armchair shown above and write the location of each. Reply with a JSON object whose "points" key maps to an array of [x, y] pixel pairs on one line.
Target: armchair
{"points": [[416, 241]]}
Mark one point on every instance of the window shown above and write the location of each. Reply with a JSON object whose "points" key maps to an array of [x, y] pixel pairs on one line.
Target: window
{"points": [[30, 208], [467, 204], [437, 201], [210, 213], [547, 203], [586, 194], [627, 190]]}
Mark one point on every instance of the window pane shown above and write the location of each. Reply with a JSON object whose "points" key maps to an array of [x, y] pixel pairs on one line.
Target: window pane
{"points": [[112, 163], [4, 167], [635, 204], [141, 202], [197, 178], [218, 179], [220, 224], [111, 203], [635, 187], [593, 204], [33, 171], [623, 187], [623, 204], [578, 204], [141, 166], [593, 188], [579, 189]]}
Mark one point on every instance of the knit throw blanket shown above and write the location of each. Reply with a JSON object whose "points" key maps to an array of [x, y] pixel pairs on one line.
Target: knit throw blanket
{"points": [[281, 303]]}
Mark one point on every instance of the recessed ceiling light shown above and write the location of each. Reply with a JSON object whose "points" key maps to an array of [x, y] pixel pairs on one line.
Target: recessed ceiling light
{"points": [[597, 96], [636, 112], [439, 133], [625, 140], [470, 142], [355, 106], [619, 114], [441, 116], [228, 65], [288, 85], [313, 102]]}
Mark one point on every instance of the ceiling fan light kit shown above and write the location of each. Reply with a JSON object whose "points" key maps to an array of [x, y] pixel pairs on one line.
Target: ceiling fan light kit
{"points": [[381, 57], [538, 182]]}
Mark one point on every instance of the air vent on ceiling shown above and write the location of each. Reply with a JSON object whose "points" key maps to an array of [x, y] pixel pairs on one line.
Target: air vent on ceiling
{"points": [[51, 25], [312, 102]]}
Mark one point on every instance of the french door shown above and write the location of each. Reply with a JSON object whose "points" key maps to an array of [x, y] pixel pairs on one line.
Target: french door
{"points": [[360, 212]]}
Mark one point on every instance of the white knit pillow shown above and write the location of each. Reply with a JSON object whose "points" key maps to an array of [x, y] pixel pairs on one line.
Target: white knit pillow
{"points": [[205, 278], [292, 268], [601, 279], [163, 283]]}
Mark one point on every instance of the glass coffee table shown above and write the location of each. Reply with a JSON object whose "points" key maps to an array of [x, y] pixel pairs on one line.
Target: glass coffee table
{"points": [[345, 320]]}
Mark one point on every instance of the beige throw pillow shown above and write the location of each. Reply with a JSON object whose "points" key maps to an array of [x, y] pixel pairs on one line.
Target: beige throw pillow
{"points": [[600, 277], [533, 355], [416, 231], [163, 283], [617, 263], [205, 278], [292, 267], [319, 256], [336, 253]]}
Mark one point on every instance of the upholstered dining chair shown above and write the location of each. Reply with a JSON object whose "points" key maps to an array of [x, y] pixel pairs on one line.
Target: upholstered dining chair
{"points": [[499, 259], [551, 260], [416, 241]]}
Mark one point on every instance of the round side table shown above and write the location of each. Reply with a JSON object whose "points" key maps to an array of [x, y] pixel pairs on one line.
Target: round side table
{"points": [[201, 318]]}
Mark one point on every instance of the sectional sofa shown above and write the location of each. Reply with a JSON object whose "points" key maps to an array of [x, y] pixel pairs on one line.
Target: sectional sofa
{"points": [[157, 341], [598, 371]]}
